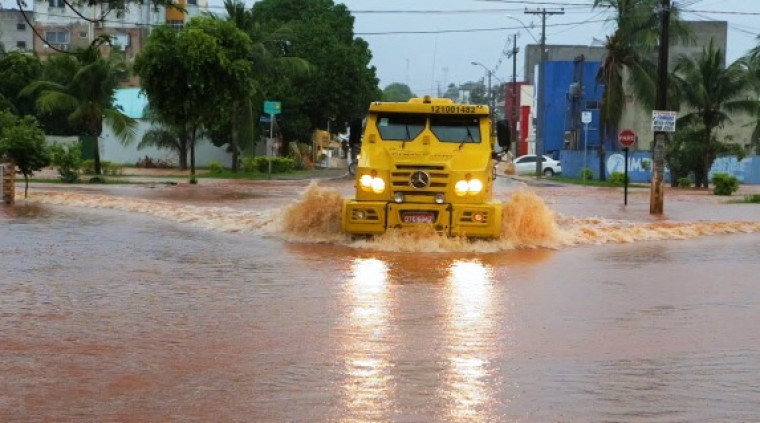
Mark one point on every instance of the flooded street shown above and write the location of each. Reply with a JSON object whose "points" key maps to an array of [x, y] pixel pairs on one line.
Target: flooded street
{"points": [[242, 302]]}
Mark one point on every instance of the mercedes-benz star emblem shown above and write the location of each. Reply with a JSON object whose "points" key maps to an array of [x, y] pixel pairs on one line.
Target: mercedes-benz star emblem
{"points": [[419, 179]]}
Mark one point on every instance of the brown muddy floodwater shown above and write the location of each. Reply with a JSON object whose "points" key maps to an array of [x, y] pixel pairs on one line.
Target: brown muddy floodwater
{"points": [[242, 302]]}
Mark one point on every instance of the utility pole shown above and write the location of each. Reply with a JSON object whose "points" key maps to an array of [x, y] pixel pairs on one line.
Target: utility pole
{"points": [[515, 92], [542, 84], [656, 197]]}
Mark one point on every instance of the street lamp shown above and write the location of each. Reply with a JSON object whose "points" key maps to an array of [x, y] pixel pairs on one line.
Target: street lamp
{"points": [[490, 93]]}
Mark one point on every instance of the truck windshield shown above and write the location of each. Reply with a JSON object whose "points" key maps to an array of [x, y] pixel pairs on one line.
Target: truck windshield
{"points": [[400, 126], [455, 128]]}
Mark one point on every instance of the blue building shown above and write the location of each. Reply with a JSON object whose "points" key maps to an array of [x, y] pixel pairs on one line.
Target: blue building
{"points": [[571, 89]]}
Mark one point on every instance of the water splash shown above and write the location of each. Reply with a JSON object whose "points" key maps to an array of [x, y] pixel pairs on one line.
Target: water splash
{"points": [[316, 217]]}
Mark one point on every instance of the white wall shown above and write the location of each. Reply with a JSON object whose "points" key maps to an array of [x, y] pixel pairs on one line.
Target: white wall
{"points": [[113, 150]]}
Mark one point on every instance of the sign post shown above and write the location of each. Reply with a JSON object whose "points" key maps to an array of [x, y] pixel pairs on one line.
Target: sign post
{"points": [[586, 119], [272, 108], [663, 121], [626, 138]]}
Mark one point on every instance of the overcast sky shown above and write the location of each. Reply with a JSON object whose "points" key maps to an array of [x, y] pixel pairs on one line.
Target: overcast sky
{"points": [[431, 43], [454, 33]]}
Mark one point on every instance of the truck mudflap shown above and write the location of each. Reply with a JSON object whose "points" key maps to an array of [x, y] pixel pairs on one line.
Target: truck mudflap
{"points": [[471, 220]]}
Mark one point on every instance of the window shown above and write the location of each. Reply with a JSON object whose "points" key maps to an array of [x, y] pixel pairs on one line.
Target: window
{"points": [[83, 34], [21, 44], [21, 26], [455, 128], [400, 126], [592, 105], [121, 40], [57, 37], [56, 3], [192, 2], [176, 24], [529, 159]]}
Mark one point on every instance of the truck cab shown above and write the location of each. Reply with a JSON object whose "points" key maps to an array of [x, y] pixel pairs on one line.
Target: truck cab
{"points": [[428, 161]]}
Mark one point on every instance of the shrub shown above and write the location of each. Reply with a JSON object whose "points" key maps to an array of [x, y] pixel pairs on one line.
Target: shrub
{"points": [[684, 182], [617, 178], [646, 164], [279, 164], [110, 168], [752, 198], [87, 167], [725, 184], [587, 173], [249, 164], [68, 160], [215, 167]]}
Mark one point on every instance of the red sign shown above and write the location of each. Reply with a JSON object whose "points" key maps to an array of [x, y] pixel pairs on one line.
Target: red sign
{"points": [[626, 138]]}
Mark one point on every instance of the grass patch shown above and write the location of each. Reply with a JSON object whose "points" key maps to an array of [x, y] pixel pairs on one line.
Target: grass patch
{"points": [[748, 199], [296, 174], [593, 182]]}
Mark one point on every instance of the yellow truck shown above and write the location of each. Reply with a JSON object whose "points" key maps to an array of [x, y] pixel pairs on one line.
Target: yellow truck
{"points": [[428, 161]]}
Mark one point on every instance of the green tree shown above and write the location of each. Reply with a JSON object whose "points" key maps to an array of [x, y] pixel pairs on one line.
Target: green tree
{"points": [[87, 95], [397, 92], [342, 82], [238, 131], [710, 94], [18, 70], [192, 76], [23, 143], [452, 92], [751, 64], [634, 39]]}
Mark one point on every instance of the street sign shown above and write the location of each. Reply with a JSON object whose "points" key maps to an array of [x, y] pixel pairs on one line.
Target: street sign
{"points": [[663, 121], [272, 107], [586, 117], [626, 138]]}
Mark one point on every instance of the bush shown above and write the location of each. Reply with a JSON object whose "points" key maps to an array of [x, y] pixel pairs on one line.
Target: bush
{"points": [[725, 184], [279, 164], [215, 167], [752, 198], [617, 178], [87, 167], [68, 160], [684, 182], [587, 173], [249, 164]]}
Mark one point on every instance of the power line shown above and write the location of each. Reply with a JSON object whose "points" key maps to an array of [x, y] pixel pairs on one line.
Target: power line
{"points": [[444, 31]]}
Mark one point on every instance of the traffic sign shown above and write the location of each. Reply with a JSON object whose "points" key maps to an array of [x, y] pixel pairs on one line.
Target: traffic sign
{"points": [[586, 117], [626, 138], [272, 107], [664, 121]]}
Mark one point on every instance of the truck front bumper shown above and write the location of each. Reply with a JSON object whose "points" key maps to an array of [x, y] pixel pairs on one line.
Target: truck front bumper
{"points": [[375, 217]]}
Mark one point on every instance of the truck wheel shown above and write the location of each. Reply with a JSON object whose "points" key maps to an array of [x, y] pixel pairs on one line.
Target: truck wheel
{"points": [[548, 172]]}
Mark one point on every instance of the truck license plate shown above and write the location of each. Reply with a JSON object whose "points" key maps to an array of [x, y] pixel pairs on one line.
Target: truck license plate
{"points": [[418, 217]]}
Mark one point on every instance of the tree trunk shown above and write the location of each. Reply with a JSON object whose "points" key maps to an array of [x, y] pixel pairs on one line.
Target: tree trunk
{"points": [[192, 156], [183, 151], [602, 161], [234, 134], [96, 155], [26, 186]]}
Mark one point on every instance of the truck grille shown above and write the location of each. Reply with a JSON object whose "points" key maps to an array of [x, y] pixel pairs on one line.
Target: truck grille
{"points": [[401, 179]]}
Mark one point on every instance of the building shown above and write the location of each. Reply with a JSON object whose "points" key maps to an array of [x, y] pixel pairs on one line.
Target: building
{"points": [[64, 29], [15, 33], [572, 88]]}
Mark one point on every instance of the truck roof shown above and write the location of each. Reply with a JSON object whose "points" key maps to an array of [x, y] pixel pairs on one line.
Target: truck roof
{"points": [[429, 104]]}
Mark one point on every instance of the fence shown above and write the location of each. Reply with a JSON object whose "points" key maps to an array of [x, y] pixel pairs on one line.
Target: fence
{"points": [[7, 185]]}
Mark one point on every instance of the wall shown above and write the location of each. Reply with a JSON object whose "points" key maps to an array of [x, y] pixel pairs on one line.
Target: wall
{"points": [[559, 106], [746, 170]]}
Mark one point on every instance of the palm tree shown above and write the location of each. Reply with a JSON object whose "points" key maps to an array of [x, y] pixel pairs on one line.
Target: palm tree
{"points": [[266, 63], [629, 49], [83, 85], [711, 93], [751, 63]]}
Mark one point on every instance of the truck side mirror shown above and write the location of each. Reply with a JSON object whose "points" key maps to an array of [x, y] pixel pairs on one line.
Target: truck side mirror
{"points": [[503, 134]]}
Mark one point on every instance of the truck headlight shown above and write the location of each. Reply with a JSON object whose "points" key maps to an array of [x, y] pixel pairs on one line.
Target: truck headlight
{"points": [[372, 183], [378, 185], [468, 186]]}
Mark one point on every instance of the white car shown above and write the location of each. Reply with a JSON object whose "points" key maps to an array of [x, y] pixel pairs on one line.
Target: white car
{"points": [[527, 164]]}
